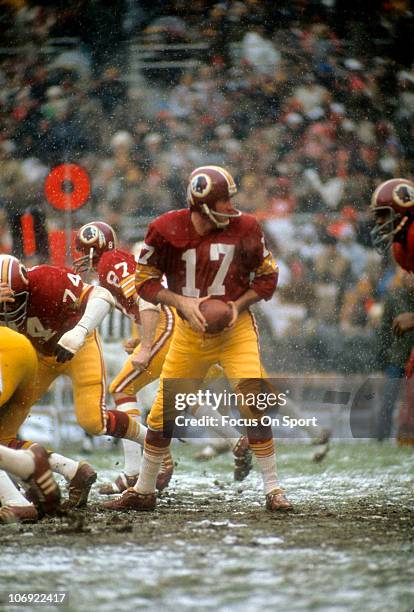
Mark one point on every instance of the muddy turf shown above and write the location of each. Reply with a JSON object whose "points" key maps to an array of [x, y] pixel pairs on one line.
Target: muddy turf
{"points": [[210, 545]]}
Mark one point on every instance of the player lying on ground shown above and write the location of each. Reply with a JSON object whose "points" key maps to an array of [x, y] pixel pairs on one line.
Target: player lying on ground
{"points": [[210, 249], [18, 366], [392, 206], [98, 243]]}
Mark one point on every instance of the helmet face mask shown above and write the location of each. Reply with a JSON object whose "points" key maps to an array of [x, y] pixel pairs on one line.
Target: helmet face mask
{"points": [[392, 204], [13, 314], [86, 263], [386, 227], [207, 186], [93, 240]]}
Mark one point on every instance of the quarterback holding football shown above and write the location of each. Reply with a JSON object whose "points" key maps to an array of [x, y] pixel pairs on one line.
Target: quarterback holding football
{"points": [[210, 249]]}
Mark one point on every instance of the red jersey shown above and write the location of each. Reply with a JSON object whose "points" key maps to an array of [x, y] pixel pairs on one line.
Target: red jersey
{"points": [[224, 263], [116, 270], [57, 300], [404, 251]]}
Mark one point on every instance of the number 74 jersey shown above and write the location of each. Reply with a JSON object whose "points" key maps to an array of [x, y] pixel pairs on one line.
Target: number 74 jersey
{"points": [[224, 263], [57, 300]]}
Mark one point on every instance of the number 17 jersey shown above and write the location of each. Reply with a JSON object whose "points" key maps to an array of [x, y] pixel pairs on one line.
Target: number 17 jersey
{"points": [[224, 263]]}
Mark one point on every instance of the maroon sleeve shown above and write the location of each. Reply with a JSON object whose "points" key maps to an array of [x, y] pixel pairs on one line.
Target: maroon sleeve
{"points": [[261, 263], [404, 253], [151, 265]]}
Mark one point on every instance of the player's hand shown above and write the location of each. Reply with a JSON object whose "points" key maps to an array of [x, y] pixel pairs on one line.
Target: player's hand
{"points": [[141, 359], [131, 344], [403, 323], [70, 343], [235, 314], [190, 308], [63, 355], [6, 293]]}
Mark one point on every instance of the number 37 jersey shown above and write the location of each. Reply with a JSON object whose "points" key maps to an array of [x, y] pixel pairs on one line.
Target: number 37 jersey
{"points": [[224, 263], [57, 300]]}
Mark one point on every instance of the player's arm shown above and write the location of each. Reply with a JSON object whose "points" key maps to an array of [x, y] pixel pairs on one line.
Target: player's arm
{"points": [[404, 255], [150, 316], [149, 313], [404, 251], [151, 266], [264, 275], [99, 303], [248, 298], [188, 306]]}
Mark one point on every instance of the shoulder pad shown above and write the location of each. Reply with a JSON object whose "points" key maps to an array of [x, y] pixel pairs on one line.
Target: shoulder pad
{"points": [[173, 226]]}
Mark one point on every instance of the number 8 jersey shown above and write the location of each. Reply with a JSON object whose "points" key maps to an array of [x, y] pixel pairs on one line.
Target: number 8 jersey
{"points": [[224, 263]]}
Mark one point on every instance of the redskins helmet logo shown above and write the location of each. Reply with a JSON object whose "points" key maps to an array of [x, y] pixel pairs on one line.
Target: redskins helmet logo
{"points": [[404, 195], [90, 234], [200, 185]]}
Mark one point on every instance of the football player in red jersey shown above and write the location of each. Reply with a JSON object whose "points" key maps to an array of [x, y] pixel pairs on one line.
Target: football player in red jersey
{"points": [[392, 205], [59, 314], [209, 249], [98, 243]]}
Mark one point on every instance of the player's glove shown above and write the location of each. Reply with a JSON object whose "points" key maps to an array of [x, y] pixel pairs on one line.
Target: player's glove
{"points": [[70, 343]]}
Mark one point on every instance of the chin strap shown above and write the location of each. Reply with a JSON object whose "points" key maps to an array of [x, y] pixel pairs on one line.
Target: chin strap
{"points": [[400, 225], [212, 215], [90, 259]]}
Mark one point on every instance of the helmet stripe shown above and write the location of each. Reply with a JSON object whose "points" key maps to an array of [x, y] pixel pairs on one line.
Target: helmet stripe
{"points": [[6, 270], [226, 175]]}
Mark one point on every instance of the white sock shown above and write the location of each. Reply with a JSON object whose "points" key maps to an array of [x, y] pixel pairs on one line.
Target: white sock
{"points": [[137, 436], [9, 494], [268, 468], [230, 434], [149, 471], [63, 465], [132, 457], [18, 462], [133, 450]]}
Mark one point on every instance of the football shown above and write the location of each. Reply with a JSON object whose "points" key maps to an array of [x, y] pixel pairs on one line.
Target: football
{"points": [[218, 315]]}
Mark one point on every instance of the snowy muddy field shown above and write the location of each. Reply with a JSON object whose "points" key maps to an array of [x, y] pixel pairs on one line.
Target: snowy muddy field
{"points": [[210, 545]]}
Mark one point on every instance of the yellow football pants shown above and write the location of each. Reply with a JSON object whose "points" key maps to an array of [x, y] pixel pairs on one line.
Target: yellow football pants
{"points": [[87, 372], [192, 354], [129, 380], [18, 368]]}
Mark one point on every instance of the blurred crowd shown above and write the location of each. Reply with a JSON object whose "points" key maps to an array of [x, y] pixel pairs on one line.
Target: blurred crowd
{"points": [[298, 102]]}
